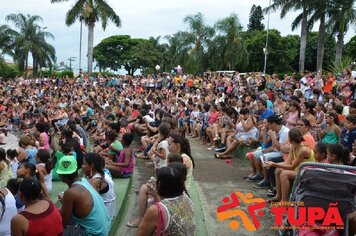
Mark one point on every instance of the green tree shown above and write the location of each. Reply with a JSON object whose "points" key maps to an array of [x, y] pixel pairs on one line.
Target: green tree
{"points": [[282, 51], [256, 18], [312, 48], [122, 51], [30, 39], [233, 51], [91, 11], [6, 40], [342, 16], [197, 38], [319, 12], [301, 19], [350, 48]]}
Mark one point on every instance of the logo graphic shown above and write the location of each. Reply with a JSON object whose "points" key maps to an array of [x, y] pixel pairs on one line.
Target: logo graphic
{"points": [[298, 215], [65, 164], [250, 221]]}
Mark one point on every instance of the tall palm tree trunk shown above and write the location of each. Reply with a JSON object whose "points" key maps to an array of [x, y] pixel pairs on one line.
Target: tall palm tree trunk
{"points": [[90, 46], [339, 46], [321, 42], [303, 40], [26, 65]]}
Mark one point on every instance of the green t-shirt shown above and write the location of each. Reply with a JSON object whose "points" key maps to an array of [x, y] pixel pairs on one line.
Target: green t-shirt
{"points": [[117, 145]]}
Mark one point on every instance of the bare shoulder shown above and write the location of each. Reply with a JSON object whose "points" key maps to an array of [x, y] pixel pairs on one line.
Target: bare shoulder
{"points": [[18, 219], [152, 212]]}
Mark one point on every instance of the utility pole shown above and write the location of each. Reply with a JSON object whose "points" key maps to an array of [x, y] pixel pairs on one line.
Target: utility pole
{"points": [[70, 62], [80, 44]]}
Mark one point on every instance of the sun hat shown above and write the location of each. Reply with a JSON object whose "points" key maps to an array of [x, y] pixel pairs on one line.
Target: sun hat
{"points": [[67, 165]]}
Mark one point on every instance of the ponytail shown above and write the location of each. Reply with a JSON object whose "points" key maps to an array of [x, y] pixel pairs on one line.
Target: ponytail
{"points": [[341, 152]]}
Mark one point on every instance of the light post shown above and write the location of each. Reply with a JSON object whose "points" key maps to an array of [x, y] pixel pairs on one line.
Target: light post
{"points": [[80, 44], [265, 49], [70, 62]]}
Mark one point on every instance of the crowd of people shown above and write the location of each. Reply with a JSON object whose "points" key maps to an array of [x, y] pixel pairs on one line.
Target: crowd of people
{"points": [[82, 132]]}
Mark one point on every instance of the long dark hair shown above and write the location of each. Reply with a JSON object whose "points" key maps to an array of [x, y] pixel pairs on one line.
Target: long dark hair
{"points": [[185, 146], [170, 180], [98, 163], [341, 152], [3, 156], [45, 157]]}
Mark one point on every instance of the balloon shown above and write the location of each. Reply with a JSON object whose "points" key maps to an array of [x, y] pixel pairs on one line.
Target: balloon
{"points": [[179, 69], [157, 67]]}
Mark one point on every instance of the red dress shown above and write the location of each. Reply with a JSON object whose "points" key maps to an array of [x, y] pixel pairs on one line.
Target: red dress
{"points": [[46, 223]]}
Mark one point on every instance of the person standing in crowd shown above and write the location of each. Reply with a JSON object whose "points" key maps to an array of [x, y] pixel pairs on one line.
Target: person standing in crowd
{"points": [[81, 203]]}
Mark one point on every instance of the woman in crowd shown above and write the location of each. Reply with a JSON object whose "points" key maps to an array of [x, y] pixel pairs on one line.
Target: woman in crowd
{"points": [[293, 114], [245, 130], [7, 211], [43, 169], [27, 151], [308, 111], [43, 137], [93, 169], [40, 217], [174, 213], [123, 165], [178, 144], [5, 170], [332, 132], [286, 171], [338, 154]]}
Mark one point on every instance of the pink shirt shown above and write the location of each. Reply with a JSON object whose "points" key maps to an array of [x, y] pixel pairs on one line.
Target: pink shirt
{"points": [[44, 136]]}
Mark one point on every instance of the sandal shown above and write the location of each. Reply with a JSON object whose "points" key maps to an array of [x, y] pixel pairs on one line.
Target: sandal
{"points": [[217, 156], [274, 199], [150, 164], [131, 225], [141, 156]]}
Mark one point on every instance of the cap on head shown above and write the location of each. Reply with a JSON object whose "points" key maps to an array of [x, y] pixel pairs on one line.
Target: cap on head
{"points": [[67, 165]]}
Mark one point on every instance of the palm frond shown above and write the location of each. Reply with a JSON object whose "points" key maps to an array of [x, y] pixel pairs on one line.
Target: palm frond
{"points": [[75, 12], [106, 12], [337, 66]]}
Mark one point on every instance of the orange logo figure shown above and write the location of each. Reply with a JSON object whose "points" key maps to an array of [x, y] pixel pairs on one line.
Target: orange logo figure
{"points": [[249, 220]]}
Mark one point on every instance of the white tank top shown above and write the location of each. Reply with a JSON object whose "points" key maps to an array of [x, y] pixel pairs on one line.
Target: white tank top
{"points": [[47, 178], [109, 197], [9, 213]]}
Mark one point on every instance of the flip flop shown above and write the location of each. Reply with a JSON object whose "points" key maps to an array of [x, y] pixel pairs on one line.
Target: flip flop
{"points": [[228, 161], [271, 200], [220, 157], [129, 224]]}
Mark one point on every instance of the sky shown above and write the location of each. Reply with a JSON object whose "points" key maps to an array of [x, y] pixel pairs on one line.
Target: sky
{"points": [[140, 19]]}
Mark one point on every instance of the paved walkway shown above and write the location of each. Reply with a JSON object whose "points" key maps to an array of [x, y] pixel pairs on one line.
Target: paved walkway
{"points": [[215, 180]]}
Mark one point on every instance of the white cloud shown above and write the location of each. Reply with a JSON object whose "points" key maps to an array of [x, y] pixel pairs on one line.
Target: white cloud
{"points": [[140, 18]]}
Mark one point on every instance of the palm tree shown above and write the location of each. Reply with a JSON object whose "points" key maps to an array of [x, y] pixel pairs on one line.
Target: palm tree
{"points": [[198, 37], [29, 39], [6, 40], [342, 16], [91, 11], [234, 52], [43, 54], [319, 12], [301, 19]]}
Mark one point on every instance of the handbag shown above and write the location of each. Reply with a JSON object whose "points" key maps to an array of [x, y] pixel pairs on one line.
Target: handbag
{"points": [[161, 221]]}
